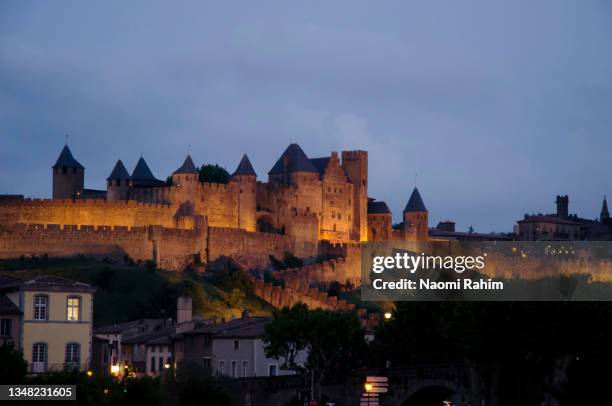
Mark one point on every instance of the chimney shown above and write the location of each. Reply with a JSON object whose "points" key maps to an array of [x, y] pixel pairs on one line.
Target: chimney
{"points": [[183, 309]]}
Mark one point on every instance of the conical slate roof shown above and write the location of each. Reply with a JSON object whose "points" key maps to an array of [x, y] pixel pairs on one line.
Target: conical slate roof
{"points": [[292, 160], [244, 167], [604, 209], [378, 208], [119, 172], [415, 203], [66, 159], [142, 171], [188, 166]]}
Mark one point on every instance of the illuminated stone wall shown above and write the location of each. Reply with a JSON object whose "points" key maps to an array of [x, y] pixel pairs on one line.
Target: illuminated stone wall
{"points": [[85, 212]]}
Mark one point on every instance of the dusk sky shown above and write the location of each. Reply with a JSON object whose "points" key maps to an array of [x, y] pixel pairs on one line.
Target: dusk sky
{"points": [[498, 106]]}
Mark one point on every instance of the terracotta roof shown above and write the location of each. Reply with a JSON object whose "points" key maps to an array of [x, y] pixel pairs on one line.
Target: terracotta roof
{"points": [[253, 328], [147, 337], [121, 327], [244, 167], [249, 326], [66, 159], [188, 166], [292, 160], [415, 203]]}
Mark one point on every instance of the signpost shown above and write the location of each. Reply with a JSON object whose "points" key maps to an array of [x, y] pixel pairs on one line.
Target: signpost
{"points": [[374, 386]]}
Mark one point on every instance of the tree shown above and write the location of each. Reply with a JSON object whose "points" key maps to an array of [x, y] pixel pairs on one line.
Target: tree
{"points": [[13, 368], [523, 353], [196, 386], [213, 174], [333, 340]]}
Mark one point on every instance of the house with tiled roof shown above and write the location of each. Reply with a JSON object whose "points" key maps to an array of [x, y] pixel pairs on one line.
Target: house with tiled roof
{"points": [[49, 318]]}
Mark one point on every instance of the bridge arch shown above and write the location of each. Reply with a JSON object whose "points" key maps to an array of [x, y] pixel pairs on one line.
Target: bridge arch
{"points": [[431, 392]]}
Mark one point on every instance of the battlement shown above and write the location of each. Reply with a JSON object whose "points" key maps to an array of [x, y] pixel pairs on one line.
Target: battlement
{"points": [[215, 186], [239, 233], [20, 230], [279, 296], [79, 203], [355, 154]]}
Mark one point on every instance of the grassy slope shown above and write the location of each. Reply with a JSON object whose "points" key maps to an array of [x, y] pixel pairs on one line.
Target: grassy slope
{"points": [[129, 292]]}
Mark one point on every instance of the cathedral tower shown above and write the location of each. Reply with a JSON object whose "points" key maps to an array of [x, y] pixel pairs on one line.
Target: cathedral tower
{"points": [[68, 176], [605, 214]]}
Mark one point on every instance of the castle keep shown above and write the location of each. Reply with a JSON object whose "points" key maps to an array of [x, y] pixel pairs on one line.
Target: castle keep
{"points": [[308, 206]]}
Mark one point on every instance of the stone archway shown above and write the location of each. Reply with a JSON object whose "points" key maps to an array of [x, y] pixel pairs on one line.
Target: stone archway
{"points": [[433, 392], [265, 224]]}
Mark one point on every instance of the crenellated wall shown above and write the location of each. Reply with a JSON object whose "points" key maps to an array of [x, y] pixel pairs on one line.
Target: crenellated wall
{"points": [[87, 212], [293, 293], [65, 241]]}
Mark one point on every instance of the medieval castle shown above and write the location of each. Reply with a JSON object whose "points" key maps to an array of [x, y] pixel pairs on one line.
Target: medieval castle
{"points": [[309, 207]]}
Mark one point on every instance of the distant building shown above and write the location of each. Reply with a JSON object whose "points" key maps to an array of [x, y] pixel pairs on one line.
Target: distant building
{"points": [[50, 319], [150, 346], [112, 350], [445, 230], [565, 226]]}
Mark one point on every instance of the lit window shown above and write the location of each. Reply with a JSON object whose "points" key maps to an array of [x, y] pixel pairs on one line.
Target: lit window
{"points": [[41, 303], [72, 309]]}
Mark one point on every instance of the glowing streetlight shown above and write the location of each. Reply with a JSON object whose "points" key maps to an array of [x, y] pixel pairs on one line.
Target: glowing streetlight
{"points": [[368, 387], [115, 369], [89, 373], [388, 316]]}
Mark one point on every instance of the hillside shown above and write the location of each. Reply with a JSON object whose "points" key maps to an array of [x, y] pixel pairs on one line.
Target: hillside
{"points": [[129, 292]]}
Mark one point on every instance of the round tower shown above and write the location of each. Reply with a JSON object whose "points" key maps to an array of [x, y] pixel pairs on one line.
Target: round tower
{"points": [[68, 176], [186, 181], [187, 175], [246, 178], [118, 183], [416, 218]]}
